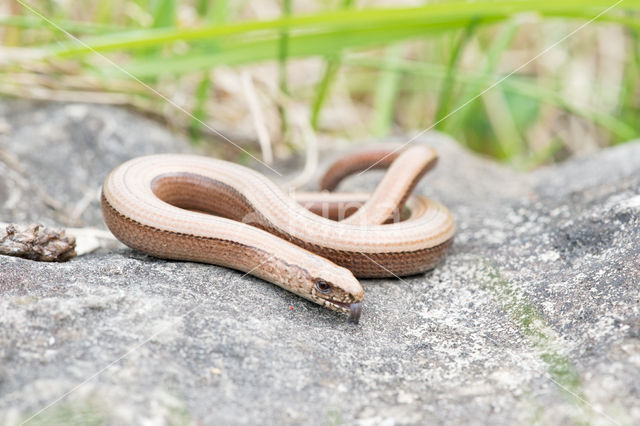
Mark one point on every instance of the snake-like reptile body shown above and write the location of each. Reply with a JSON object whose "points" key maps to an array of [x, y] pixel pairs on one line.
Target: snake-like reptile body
{"points": [[200, 209]]}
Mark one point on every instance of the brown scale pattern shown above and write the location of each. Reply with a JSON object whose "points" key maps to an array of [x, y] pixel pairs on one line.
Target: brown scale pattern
{"points": [[379, 265], [217, 198], [173, 245], [178, 246]]}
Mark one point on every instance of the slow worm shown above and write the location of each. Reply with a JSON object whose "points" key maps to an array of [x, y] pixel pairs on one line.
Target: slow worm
{"points": [[200, 209]]}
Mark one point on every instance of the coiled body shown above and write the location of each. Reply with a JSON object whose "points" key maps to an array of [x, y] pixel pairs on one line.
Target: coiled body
{"points": [[200, 209]]}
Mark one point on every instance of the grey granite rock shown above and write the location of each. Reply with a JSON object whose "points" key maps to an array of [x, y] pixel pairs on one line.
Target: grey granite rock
{"points": [[56, 156], [533, 318]]}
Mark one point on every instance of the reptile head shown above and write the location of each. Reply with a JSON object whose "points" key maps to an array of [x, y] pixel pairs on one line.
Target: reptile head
{"points": [[343, 295], [333, 287]]}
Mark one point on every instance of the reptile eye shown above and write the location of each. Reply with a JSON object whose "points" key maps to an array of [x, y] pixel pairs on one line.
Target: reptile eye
{"points": [[322, 286]]}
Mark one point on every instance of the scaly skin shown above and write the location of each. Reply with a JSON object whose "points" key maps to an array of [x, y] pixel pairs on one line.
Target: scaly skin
{"points": [[206, 210]]}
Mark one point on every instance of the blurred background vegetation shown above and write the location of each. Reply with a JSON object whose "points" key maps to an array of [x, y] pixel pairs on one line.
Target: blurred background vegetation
{"points": [[281, 76]]}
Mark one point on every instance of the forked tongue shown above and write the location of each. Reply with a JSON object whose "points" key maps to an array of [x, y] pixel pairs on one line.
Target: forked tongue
{"points": [[355, 309]]}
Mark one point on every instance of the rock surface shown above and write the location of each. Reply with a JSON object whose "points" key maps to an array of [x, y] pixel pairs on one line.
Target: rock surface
{"points": [[534, 316]]}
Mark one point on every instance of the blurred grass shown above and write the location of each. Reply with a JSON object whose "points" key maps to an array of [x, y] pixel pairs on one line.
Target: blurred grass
{"points": [[404, 67], [332, 64], [386, 93]]}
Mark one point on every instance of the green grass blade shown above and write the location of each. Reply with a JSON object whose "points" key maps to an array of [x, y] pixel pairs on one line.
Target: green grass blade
{"points": [[492, 55], [235, 52], [515, 84], [165, 14], [446, 94], [386, 93], [347, 20], [74, 27], [507, 142], [322, 90], [283, 52], [218, 12], [630, 93], [199, 112]]}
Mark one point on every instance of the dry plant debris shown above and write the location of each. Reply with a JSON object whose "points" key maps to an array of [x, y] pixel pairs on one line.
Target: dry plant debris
{"points": [[37, 242]]}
